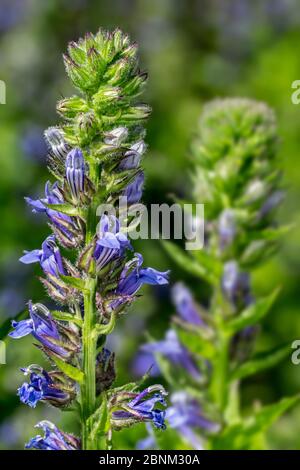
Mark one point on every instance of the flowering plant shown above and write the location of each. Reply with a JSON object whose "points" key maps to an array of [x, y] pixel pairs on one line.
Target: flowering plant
{"points": [[94, 156], [237, 176]]}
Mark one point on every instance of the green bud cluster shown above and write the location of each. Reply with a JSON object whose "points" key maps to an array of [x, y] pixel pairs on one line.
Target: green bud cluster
{"points": [[103, 67], [237, 175]]}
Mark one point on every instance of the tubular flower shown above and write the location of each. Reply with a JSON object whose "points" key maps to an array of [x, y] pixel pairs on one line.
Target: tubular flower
{"points": [[53, 439], [75, 172], [140, 408], [134, 276], [49, 257], [185, 305], [43, 328], [51, 387], [111, 242], [175, 352], [67, 228], [186, 416]]}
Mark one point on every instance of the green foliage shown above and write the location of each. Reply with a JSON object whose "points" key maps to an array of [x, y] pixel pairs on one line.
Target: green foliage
{"points": [[252, 314], [260, 362], [245, 435], [205, 267], [69, 370]]}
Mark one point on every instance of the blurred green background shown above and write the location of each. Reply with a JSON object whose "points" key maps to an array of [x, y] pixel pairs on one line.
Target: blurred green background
{"points": [[194, 50]]}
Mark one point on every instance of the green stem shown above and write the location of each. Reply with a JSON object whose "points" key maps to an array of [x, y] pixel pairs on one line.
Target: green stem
{"points": [[220, 383], [89, 339], [222, 372], [88, 390]]}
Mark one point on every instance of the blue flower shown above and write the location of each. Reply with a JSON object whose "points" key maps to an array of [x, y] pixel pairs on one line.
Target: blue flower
{"points": [[141, 408], [41, 387], [53, 439], [111, 243], [185, 305], [49, 257], [133, 276], [61, 221], [174, 351], [132, 157], [236, 285], [134, 190], [42, 327], [185, 415], [75, 172], [227, 228]]}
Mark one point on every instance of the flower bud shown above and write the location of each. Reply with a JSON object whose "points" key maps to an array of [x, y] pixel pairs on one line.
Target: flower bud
{"points": [[70, 107], [116, 136], [105, 370], [75, 172]]}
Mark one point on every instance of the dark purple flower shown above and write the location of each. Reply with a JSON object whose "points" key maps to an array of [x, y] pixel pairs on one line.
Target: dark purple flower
{"points": [[53, 439], [141, 409], [111, 242], [134, 276], [41, 387], [185, 305], [174, 351], [75, 172], [185, 415], [236, 285], [134, 190], [49, 257], [42, 327], [62, 221]]}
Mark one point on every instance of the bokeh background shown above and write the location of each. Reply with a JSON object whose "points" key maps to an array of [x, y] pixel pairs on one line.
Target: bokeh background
{"points": [[194, 50]]}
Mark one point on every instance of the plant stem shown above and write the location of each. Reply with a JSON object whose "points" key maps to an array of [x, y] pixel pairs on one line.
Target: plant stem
{"points": [[89, 339], [88, 391], [221, 367]]}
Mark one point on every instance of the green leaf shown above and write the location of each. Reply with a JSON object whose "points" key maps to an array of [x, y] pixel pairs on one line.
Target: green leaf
{"points": [[196, 343], [75, 282], [108, 328], [67, 209], [245, 435], [271, 234], [63, 316], [252, 314], [205, 267], [69, 370], [130, 387], [6, 325], [261, 362], [99, 421], [166, 369]]}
